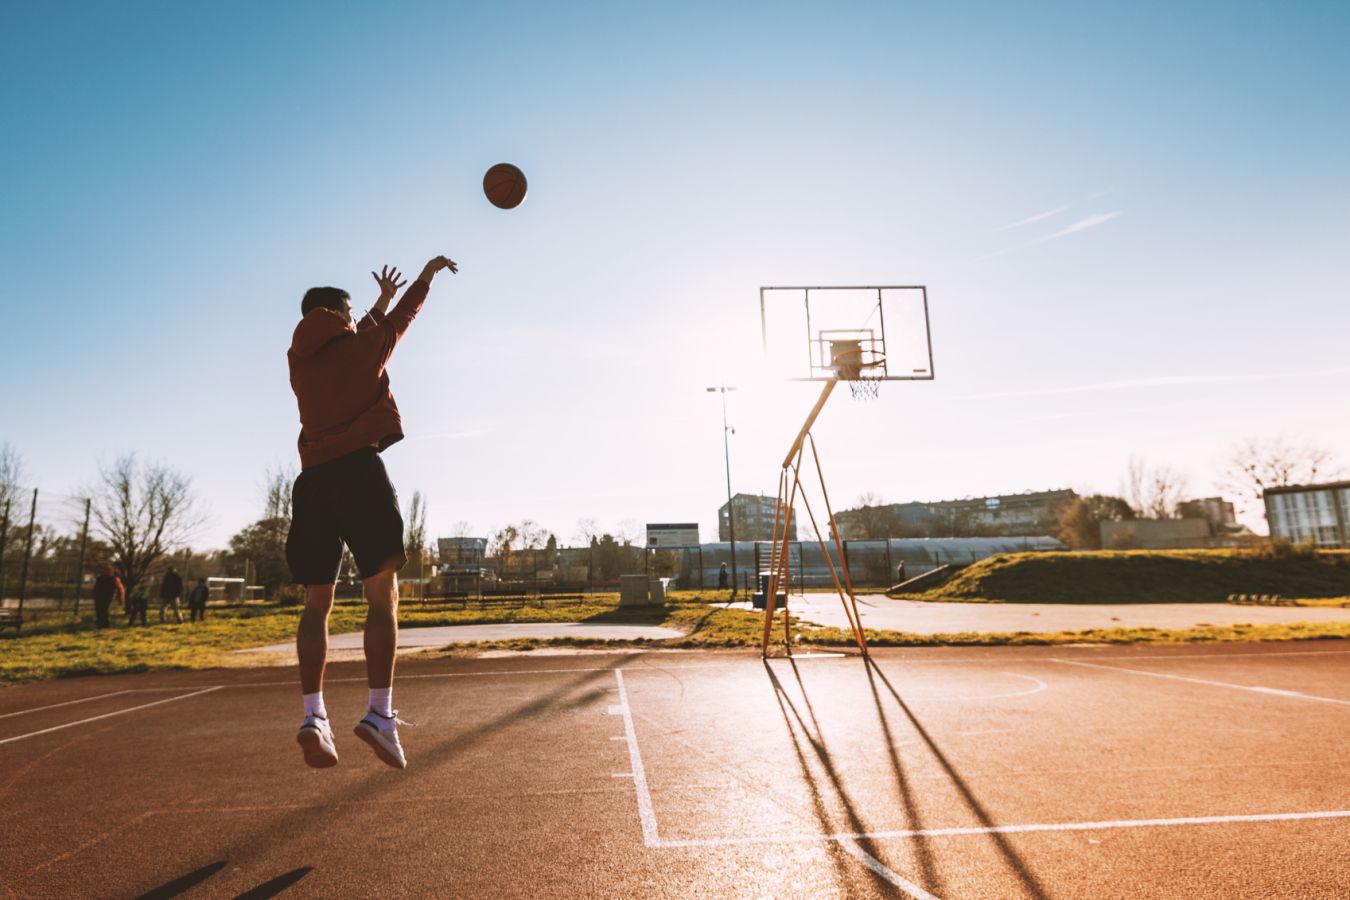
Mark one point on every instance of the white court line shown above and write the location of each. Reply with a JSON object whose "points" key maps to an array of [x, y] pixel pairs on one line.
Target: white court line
{"points": [[644, 798], [67, 703], [108, 715], [883, 872], [1012, 829], [1162, 656], [1299, 695]]}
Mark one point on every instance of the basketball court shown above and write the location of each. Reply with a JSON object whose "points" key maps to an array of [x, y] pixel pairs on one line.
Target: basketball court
{"points": [[1210, 772]]}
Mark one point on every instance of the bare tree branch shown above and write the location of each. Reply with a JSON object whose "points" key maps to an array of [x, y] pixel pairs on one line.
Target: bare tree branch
{"points": [[11, 477], [1254, 465], [143, 512]]}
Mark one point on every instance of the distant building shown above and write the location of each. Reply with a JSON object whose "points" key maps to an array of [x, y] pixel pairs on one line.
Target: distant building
{"points": [[461, 551], [754, 518], [1157, 534], [1319, 513], [1216, 510], [1029, 513], [463, 563]]}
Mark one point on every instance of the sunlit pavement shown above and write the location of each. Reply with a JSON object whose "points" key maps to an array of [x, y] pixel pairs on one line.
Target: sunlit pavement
{"points": [[883, 613]]}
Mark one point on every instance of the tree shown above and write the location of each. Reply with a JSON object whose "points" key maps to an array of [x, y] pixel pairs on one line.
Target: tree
{"points": [[1079, 521], [143, 511], [871, 520], [277, 490], [1153, 492], [1254, 465], [11, 480], [262, 545], [416, 541], [507, 542]]}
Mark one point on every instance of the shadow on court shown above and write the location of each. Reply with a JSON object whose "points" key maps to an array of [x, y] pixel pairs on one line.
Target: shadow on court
{"points": [[797, 724], [185, 883], [307, 820], [1019, 867]]}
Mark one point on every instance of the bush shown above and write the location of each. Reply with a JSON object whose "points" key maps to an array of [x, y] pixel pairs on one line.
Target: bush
{"points": [[290, 594], [1280, 548]]}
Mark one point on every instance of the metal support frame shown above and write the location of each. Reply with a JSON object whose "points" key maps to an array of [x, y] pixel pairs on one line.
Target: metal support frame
{"points": [[789, 487]]}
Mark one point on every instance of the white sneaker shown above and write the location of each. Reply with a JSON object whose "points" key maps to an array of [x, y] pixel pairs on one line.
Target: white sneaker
{"points": [[381, 733], [316, 740]]}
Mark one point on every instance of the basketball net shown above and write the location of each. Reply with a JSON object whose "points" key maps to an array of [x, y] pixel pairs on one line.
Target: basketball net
{"points": [[865, 387], [860, 368]]}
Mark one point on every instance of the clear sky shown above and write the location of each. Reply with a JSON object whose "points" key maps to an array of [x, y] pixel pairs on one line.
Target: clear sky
{"points": [[1134, 226]]}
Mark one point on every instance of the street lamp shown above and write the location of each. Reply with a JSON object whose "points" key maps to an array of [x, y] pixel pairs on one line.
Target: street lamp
{"points": [[727, 431]]}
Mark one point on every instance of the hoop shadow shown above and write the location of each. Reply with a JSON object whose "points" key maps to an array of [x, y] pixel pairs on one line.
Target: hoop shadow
{"points": [[1010, 856], [826, 761], [185, 883]]}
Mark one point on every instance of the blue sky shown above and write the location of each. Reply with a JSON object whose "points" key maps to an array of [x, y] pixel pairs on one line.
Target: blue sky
{"points": [[1134, 225]]}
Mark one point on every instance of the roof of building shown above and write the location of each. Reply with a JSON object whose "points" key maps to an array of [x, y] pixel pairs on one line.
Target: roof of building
{"points": [[1304, 488]]}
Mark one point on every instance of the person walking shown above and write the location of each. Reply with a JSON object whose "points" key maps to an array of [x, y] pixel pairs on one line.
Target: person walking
{"points": [[343, 494], [137, 603], [106, 587], [171, 594], [197, 601], [722, 578]]}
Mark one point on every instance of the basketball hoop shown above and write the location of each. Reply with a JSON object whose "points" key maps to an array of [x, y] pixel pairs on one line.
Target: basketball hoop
{"points": [[861, 368]]}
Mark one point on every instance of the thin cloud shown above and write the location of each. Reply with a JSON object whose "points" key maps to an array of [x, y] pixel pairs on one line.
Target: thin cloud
{"points": [[1083, 224], [1159, 381], [1036, 218], [1091, 221]]}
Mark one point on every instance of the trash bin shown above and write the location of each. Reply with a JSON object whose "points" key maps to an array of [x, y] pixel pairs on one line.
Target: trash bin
{"points": [[657, 590], [759, 600]]}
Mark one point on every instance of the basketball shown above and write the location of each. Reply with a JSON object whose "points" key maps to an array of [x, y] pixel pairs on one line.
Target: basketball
{"points": [[505, 186]]}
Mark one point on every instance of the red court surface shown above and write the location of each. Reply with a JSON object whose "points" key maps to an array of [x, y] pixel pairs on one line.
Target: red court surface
{"points": [[1218, 771]]}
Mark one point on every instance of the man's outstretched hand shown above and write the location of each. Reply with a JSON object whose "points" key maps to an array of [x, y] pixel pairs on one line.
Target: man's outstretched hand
{"points": [[389, 283], [435, 265]]}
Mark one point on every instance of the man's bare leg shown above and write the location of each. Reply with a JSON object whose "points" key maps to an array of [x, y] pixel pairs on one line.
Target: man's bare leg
{"points": [[311, 637], [311, 647], [379, 728], [381, 637]]}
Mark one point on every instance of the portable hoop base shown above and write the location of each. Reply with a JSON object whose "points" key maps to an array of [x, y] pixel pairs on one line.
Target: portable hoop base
{"points": [[789, 487]]}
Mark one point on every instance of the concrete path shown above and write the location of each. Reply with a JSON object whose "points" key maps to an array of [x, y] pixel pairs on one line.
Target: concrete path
{"points": [[413, 639], [881, 612]]}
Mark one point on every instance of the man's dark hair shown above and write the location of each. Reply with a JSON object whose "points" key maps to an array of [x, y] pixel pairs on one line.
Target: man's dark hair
{"points": [[326, 297]]}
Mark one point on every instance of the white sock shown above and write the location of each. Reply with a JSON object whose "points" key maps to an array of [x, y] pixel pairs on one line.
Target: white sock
{"points": [[314, 705], [382, 701]]}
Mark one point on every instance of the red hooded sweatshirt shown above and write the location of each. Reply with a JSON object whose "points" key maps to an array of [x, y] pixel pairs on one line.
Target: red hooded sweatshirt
{"points": [[337, 373]]}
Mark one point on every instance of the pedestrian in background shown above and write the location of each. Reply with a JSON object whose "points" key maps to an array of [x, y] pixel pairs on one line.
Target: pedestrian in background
{"points": [[106, 587], [137, 603], [171, 593], [197, 601]]}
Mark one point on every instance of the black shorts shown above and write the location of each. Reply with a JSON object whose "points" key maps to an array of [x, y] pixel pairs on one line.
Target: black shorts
{"points": [[348, 499]]}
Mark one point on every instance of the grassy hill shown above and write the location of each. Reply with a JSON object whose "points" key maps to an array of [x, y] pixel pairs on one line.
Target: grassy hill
{"points": [[1145, 576]]}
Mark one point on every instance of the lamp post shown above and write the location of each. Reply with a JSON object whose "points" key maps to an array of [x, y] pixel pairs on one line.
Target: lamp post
{"points": [[727, 431]]}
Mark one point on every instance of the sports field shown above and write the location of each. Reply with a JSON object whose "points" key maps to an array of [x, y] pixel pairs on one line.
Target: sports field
{"points": [[1214, 771]]}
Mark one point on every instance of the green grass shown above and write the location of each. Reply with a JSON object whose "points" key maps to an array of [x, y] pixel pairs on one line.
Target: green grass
{"points": [[57, 646], [1142, 576], [58, 649]]}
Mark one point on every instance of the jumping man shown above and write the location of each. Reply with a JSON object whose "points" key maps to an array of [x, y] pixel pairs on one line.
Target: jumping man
{"points": [[343, 494]]}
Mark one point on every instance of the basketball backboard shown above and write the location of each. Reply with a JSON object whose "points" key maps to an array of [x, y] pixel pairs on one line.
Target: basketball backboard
{"points": [[878, 332]]}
